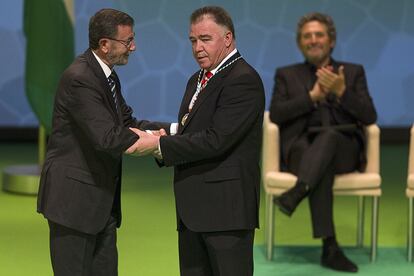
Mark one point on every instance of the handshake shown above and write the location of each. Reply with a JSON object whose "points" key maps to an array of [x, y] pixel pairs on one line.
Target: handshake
{"points": [[148, 143]]}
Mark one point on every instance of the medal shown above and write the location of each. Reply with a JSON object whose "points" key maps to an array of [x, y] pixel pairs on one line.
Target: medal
{"points": [[184, 118]]}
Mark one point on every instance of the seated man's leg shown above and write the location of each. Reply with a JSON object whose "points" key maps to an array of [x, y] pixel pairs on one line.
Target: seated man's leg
{"points": [[309, 159], [315, 162], [345, 159], [321, 206], [289, 200]]}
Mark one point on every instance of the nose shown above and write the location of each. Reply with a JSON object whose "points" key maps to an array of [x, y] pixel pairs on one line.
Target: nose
{"points": [[197, 46], [133, 46]]}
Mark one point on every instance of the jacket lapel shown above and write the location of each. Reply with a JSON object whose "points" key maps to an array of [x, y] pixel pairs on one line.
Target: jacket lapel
{"points": [[103, 82], [188, 95], [308, 80], [210, 89]]}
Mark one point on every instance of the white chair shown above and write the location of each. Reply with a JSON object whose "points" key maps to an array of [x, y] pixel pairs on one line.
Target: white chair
{"points": [[410, 194], [358, 184]]}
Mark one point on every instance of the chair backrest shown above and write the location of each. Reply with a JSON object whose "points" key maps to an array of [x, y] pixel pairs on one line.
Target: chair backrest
{"points": [[271, 147]]}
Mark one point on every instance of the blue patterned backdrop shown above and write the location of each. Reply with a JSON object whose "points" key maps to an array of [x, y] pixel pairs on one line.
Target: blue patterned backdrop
{"points": [[376, 33]]}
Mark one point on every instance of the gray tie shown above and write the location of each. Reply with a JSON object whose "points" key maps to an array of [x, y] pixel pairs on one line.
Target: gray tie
{"points": [[112, 87]]}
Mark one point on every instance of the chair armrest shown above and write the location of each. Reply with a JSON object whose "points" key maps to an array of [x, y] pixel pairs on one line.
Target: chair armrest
{"points": [[411, 152], [372, 134]]}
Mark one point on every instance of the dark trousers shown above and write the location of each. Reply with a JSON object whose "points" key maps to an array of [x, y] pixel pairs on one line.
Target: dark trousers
{"points": [[315, 159], [74, 253], [228, 253]]}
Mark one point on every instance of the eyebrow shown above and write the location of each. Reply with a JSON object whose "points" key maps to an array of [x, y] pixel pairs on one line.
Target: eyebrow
{"points": [[315, 32], [200, 36]]}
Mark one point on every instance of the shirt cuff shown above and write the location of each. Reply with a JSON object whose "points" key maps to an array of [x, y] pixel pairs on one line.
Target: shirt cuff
{"points": [[159, 149], [173, 128]]}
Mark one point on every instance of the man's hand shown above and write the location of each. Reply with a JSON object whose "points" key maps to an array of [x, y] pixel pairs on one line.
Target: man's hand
{"points": [[145, 145], [317, 93], [160, 132], [332, 82]]}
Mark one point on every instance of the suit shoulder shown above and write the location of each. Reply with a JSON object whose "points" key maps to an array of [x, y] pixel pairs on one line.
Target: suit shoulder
{"points": [[244, 68], [290, 68], [80, 72], [79, 69], [350, 64]]}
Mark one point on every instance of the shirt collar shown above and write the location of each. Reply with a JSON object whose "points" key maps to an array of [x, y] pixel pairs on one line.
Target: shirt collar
{"points": [[224, 60], [313, 68], [103, 65]]}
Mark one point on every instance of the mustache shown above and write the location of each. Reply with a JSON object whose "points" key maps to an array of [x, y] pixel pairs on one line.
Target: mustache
{"points": [[315, 46]]}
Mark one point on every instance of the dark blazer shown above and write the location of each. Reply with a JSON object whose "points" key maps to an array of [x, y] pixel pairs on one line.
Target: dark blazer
{"points": [[81, 177], [291, 104], [216, 153]]}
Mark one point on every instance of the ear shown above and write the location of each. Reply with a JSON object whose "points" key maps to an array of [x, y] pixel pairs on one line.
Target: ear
{"points": [[104, 45], [228, 38]]}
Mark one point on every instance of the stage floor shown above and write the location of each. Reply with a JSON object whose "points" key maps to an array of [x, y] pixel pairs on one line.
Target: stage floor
{"points": [[147, 240]]}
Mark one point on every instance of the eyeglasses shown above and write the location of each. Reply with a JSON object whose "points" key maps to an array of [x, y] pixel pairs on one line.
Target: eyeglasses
{"points": [[126, 43]]}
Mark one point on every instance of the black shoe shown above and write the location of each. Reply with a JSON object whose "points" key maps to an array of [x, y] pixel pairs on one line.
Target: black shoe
{"points": [[335, 259], [289, 200]]}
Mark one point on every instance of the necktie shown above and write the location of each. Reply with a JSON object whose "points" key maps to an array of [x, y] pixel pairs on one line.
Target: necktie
{"points": [[203, 84], [325, 114], [204, 81], [112, 87]]}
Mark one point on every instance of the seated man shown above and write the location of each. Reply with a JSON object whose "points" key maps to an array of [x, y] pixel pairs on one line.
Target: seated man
{"points": [[320, 106]]}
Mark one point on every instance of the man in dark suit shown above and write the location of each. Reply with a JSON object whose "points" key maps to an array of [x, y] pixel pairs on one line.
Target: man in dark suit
{"points": [[216, 153], [320, 106], [80, 184]]}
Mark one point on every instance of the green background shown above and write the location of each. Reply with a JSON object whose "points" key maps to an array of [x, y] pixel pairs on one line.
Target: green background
{"points": [[147, 240]]}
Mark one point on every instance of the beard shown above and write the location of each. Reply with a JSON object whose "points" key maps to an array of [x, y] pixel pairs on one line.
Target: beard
{"points": [[118, 59], [319, 57]]}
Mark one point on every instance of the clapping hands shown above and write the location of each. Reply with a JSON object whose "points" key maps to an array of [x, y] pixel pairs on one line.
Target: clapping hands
{"points": [[330, 81]]}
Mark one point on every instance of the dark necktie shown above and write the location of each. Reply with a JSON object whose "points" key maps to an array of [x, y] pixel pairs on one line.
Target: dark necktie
{"points": [[112, 87], [325, 113]]}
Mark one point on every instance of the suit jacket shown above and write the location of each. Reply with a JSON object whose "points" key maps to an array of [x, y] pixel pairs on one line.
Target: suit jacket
{"points": [[291, 104], [216, 152], [81, 178]]}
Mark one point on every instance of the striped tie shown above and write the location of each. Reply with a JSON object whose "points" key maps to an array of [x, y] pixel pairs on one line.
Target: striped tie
{"points": [[112, 87], [204, 81]]}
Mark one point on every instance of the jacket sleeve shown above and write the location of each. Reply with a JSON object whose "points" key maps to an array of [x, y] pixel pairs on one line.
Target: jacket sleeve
{"points": [[356, 99], [287, 104], [93, 117]]}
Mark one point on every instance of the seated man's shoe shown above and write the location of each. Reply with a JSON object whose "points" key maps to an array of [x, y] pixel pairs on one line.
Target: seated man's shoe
{"points": [[335, 259], [289, 200]]}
